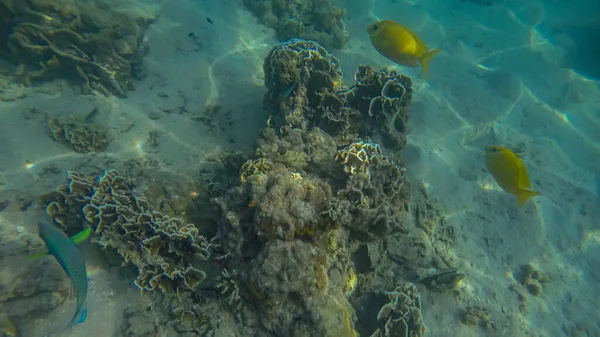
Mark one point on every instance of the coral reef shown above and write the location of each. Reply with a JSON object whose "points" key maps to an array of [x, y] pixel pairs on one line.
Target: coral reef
{"points": [[310, 193], [80, 136], [305, 91], [86, 41], [319, 20], [401, 316], [166, 250]]}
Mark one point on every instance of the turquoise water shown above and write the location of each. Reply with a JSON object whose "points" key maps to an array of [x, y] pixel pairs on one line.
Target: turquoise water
{"points": [[239, 183]]}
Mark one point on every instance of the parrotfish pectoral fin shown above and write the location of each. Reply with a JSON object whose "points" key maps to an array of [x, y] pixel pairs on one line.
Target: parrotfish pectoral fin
{"points": [[426, 58], [79, 318], [81, 236], [524, 195], [39, 255]]}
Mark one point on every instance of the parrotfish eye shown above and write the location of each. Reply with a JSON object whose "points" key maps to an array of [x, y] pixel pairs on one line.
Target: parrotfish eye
{"points": [[493, 149], [375, 26]]}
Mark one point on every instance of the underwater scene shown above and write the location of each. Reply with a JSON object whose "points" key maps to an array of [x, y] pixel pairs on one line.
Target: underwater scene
{"points": [[299, 168]]}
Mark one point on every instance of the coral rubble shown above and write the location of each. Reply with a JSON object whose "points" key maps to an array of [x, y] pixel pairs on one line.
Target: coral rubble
{"points": [[89, 42], [320, 20], [166, 250]]}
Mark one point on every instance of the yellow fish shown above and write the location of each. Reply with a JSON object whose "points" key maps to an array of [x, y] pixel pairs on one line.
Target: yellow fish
{"points": [[399, 44], [509, 172]]}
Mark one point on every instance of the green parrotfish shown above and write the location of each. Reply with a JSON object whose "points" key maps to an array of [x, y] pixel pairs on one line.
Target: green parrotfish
{"points": [[70, 258]]}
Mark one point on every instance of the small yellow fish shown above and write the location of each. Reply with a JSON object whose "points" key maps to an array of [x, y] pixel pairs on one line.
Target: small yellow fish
{"points": [[509, 172], [400, 44]]}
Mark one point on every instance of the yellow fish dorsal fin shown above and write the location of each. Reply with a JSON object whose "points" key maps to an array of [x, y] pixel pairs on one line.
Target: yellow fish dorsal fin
{"points": [[524, 195], [426, 58]]}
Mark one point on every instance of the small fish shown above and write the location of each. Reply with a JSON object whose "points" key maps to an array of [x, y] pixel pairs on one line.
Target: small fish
{"points": [[209, 21], [288, 91], [70, 258], [509, 172], [399, 44]]}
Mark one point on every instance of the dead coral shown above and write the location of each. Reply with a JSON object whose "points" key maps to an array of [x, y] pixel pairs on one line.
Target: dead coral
{"points": [[320, 20], [166, 250], [80, 136], [85, 41], [401, 317]]}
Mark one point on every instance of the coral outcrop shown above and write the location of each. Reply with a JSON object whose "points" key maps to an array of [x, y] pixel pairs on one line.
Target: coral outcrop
{"points": [[98, 47], [312, 190], [320, 20], [401, 316], [166, 250], [305, 91]]}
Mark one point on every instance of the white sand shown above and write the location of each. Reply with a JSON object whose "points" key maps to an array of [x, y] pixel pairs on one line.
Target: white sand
{"points": [[510, 89]]}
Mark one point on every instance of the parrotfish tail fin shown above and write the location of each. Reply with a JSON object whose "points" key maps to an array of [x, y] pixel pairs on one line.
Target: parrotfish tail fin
{"points": [[79, 317], [426, 58], [524, 195], [81, 236]]}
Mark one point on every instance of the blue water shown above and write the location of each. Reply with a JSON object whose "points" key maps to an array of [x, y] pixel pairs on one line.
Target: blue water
{"points": [[520, 74]]}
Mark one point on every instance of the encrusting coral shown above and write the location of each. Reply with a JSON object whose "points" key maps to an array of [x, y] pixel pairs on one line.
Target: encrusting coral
{"points": [[166, 250], [320, 20], [85, 41]]}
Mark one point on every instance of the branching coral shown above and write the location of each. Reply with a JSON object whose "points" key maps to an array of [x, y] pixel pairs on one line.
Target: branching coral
{"points": [[166, 250], [101, 48]]}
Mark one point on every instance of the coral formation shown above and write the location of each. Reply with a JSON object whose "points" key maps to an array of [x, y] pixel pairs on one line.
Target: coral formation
{"points": [[320, 20], [368, 205], [80, 136], [86, 41], [311, 188], [376, 106], [533, 279], [166, 250], [306, 67], [401, 316]]}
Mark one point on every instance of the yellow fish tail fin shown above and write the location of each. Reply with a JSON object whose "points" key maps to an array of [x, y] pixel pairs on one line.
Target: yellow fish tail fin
{"points": [[524, 195], [426, 58]]}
